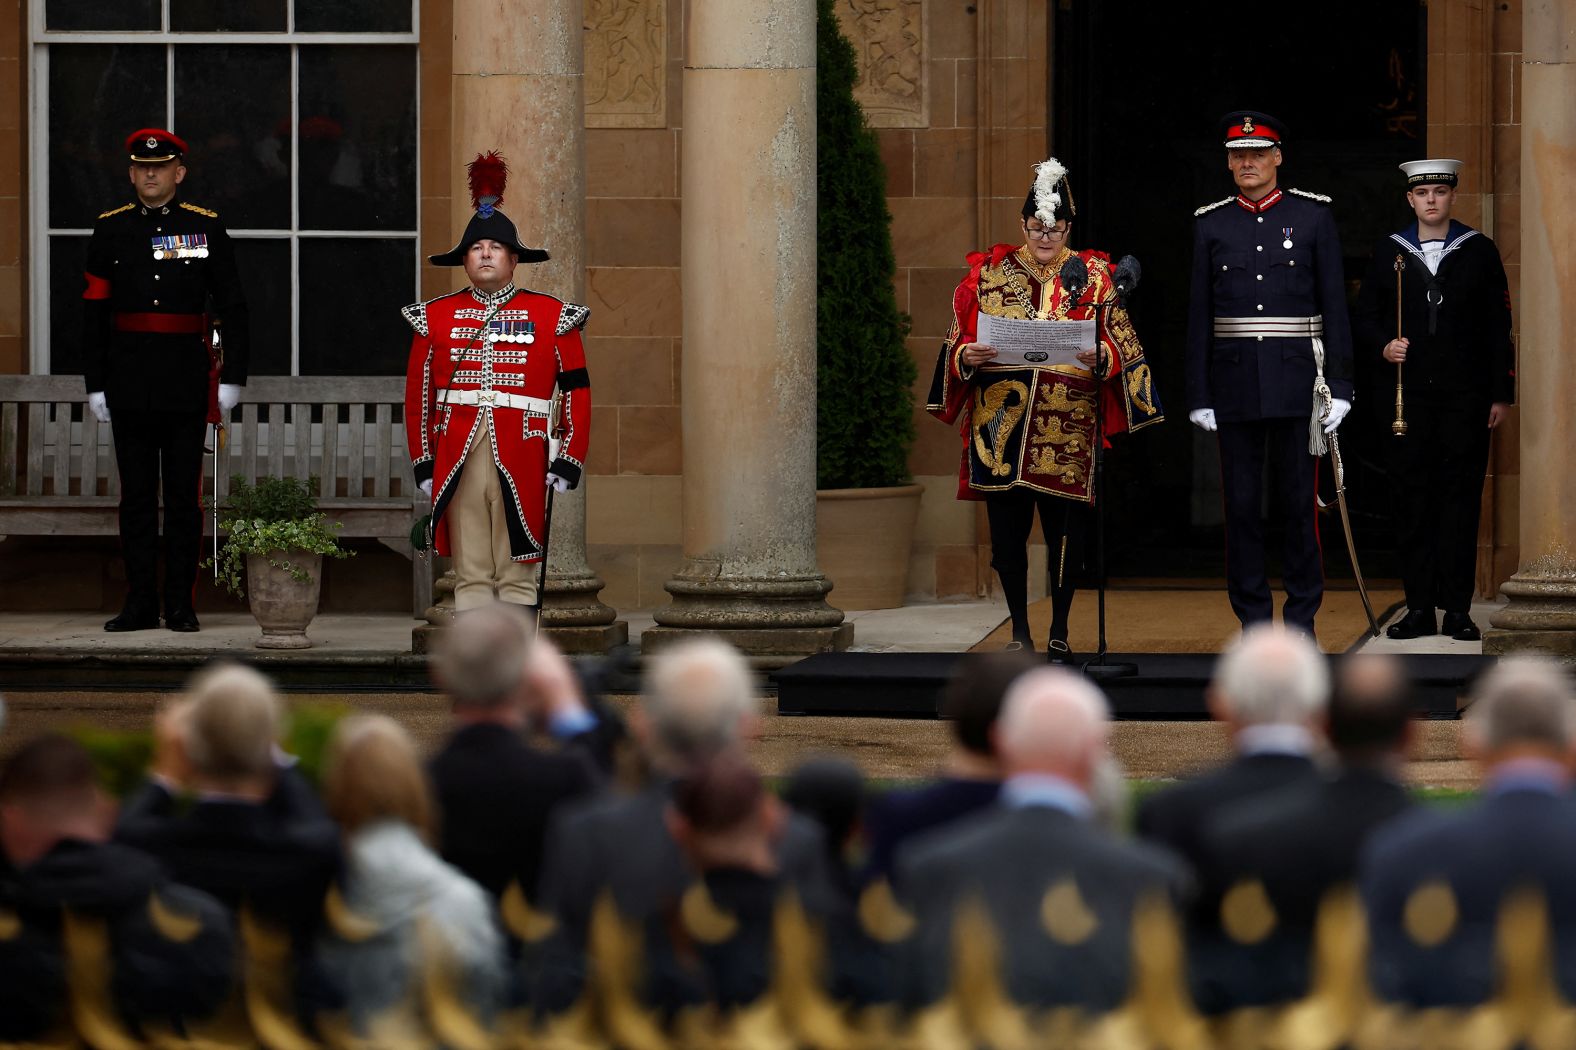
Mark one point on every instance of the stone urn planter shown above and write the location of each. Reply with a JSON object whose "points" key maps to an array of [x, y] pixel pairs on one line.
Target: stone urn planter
{"points": [[283, 605], [864, 538]]}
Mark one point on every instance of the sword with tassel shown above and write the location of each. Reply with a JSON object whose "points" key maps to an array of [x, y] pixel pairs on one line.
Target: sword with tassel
{"points": [[1339, 468]]}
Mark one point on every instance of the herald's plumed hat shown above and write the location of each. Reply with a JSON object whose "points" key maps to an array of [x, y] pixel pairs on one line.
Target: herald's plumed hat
{"points": [[1250, 129], [487, 174], [154, 146], [1439, 171], [1050, 199]]}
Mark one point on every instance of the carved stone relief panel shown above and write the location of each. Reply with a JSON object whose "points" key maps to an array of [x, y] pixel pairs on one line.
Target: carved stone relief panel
{"points": [[889, 40], [626, 54]]}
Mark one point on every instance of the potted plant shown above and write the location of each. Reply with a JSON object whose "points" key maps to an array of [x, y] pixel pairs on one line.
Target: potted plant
{"points": [[866, 505], [275, 532]]}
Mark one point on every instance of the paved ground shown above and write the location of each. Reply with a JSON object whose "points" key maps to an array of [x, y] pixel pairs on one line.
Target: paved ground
{"points": [[885, 748]]}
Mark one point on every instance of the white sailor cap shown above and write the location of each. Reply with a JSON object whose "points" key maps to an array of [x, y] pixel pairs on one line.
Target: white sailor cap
{"points": [[1438, 171]]}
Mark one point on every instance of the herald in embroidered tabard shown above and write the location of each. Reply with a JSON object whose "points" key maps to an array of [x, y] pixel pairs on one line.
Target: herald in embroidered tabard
{"points": [[181, 246]]}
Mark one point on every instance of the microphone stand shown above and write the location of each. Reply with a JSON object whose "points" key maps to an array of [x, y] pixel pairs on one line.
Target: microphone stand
{"points": [[1097, 666]]}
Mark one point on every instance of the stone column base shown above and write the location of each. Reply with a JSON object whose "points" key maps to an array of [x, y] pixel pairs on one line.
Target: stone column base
{"points": [[1540, 618], [572, 616], [774, 620]]}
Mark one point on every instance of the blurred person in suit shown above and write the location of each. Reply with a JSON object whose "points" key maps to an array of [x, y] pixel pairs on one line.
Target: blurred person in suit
{"points": [[699, 702], [496, 792], [171, 947], [831, 792], [1060, 890], [1270, 688], [1434, 882], [1298, 845], [971, 773], [401, 911], [223, 814]]}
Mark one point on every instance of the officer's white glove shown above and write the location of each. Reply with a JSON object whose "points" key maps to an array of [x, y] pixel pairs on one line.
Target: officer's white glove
{"points": [[558, 483], [1203, 418], [229, 397], [98, 406], [1338, 410], [426, 489]]}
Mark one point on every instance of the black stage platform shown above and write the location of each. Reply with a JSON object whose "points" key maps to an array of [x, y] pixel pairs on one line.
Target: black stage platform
{"points": [[1167, 686]]}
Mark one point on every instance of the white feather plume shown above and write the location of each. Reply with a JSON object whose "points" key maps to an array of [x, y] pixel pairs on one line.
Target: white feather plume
{"points": [[1048, 175]]}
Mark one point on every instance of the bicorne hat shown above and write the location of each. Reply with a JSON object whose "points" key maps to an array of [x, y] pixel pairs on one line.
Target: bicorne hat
{"points": [[487, 174], [1050, 199]]}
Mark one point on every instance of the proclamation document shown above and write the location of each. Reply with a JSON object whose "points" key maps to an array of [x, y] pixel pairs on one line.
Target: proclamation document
{"points": [[1035, 344]]}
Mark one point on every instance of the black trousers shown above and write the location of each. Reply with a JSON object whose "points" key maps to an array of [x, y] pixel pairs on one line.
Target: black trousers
{"points": [[1064, 523], [1436, 480], [150, 446], [1245, 449]]}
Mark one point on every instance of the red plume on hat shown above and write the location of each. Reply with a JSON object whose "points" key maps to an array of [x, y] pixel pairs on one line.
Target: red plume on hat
{"points": [[487, 174]]}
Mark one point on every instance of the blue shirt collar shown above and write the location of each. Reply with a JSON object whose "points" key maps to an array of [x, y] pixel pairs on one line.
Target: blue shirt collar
{"points": [[1528, 774], [1277, 739], [1048, 791]]}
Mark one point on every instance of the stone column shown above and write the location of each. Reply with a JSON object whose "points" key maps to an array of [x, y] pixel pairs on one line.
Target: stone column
{"points": [[749, 367], [1542, 610], [517, 88]]}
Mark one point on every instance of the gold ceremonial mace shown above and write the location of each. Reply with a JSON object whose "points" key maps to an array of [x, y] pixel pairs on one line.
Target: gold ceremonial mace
{"points": [[1398, 428]]}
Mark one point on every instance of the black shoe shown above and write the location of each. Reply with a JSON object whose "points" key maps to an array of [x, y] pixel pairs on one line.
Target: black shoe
{"points": [[1460, 627], [182, 620], [132, 618], [1057, 652], [1417, 623]]}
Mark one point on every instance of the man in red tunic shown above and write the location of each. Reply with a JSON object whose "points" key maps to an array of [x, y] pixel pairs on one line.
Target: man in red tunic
{"points": [[479, 405]]}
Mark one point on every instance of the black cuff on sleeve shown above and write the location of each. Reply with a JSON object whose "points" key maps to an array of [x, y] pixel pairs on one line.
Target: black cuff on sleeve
{"points": [[422, 469], [574, 379], [566, 470]]}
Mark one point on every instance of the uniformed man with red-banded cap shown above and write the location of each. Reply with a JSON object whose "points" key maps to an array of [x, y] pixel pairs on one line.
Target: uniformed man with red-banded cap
{"points": [[160, 278], [1267, 334]]}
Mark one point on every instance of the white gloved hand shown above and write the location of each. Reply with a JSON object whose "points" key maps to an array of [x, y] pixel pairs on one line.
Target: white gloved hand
{"points": [[98, 406], [1338, 410], [229, 396], [426, 489], [1203, 418], [558, 483]]}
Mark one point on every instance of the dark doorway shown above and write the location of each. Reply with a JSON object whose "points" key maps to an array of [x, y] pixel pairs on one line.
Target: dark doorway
{"points": [[1135, 99]]}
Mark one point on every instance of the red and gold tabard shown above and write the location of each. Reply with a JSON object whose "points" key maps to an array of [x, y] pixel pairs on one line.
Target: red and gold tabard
{"points": [[492, 360], [1028, 426]]}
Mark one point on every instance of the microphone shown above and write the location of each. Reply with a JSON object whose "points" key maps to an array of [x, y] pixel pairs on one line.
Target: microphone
{"points": [[1075, 276], [1126, 276]]}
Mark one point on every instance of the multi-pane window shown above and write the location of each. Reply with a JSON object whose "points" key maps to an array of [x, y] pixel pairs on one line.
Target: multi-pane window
{"points": [[301, 119]]}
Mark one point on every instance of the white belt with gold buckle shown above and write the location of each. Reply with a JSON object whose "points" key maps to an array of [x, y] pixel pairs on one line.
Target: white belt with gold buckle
{"points": [[533, 406]]}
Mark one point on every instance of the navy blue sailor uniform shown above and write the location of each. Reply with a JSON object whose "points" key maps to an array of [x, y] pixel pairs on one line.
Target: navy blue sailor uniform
{"points": [[1460, 360], [1268, 283], [156, 279]]}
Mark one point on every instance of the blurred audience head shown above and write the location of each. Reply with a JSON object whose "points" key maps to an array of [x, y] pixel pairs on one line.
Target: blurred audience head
{"points": [[722, 816], [1369, 721], [831, 792], [1523, 707], [481, 663], [49, 792], [972, 703], [699, 701], [230, 723], [1270, 676], [372, 773], [1053, 722]]}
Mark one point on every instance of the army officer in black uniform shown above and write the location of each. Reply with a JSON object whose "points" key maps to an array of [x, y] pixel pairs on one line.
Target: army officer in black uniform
{"points": [[160, 272], [1459, 380], [1267, 301]]}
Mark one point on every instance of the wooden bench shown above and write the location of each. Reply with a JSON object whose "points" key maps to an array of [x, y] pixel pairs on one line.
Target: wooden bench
{"points": [[58, 474]]}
